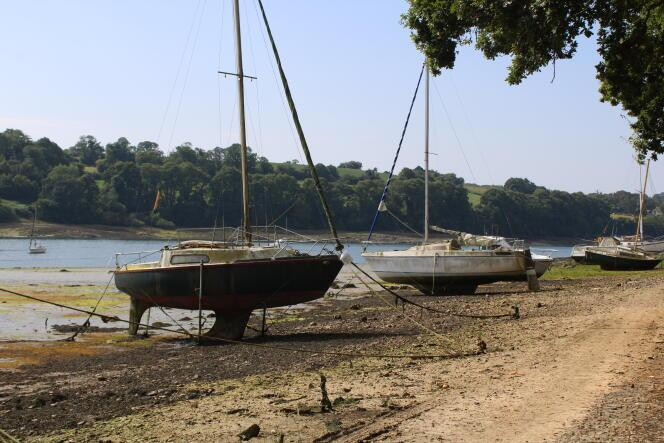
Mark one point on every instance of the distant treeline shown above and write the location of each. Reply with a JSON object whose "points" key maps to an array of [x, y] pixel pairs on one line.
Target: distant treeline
{"points": [[117, 184]]}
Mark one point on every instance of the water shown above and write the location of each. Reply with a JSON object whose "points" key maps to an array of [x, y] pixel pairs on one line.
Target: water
{"points": [[101, 253]]}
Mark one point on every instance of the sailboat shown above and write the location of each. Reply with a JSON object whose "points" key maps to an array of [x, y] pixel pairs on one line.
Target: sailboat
{"points": [[233, 278], [444, 267], [627, 255], [35, 247], [638, 240]]}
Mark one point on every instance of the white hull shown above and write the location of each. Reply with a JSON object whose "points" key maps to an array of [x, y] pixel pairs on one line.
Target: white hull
{"points": [[647, 246], [454, 269]]}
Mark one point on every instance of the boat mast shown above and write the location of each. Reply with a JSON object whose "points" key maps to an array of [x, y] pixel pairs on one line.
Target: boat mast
{"points": [[246, 219], [639, 227], [34, 222], [426, 156]]}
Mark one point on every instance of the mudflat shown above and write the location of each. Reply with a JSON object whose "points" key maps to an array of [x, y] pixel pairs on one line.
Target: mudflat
{"points": [[582, 363]]}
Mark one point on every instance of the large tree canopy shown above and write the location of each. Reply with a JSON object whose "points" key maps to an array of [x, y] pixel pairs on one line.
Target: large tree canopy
{"points": [[535, 33]]}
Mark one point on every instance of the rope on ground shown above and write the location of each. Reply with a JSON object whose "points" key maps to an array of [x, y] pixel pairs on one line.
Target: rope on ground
{"points": [[261, 345], [86, 324], [6, 437], [437, 311], [421, 325]]}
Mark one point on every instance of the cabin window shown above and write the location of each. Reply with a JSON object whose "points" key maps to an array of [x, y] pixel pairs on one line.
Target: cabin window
{"points": [[189, 259]]}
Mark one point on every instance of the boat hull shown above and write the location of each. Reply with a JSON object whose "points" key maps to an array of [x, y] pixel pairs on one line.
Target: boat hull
{"points": [[451, 273], [238, 286], [610, 262], [646, 246]]}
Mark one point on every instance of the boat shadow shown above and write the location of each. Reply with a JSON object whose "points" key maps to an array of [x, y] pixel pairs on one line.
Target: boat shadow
{"points": [[306, 338]]}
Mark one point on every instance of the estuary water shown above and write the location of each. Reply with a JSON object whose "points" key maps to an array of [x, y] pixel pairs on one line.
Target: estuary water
{"points": [[101, 253]]}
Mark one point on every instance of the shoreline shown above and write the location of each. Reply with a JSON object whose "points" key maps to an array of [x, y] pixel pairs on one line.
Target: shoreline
{"points": [[56, 231]]}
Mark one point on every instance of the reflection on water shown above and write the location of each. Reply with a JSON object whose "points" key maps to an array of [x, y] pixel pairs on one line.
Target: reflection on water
{"points": [[101, 253]]}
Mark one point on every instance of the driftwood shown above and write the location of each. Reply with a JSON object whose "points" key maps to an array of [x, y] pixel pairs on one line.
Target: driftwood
{"points": [[325, 403]]}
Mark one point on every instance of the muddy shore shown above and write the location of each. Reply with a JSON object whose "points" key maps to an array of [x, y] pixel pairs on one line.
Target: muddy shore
{"points": [[22, 228], [583, 362]]}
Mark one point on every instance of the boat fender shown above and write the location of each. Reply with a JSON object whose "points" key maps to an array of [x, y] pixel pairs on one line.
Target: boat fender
{"points": [[346, 258]]}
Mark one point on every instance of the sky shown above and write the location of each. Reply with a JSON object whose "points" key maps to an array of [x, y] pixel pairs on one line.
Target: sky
{"points": [[148, 71]]}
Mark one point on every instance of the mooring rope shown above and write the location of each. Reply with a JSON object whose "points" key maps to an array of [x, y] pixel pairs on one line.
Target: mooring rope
{"points": [[260, 345], [5, 436]]}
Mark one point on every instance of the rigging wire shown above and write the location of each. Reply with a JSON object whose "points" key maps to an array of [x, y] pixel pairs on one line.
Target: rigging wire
{"points": [[449, 119], [186, 76], [258, 135], [219, 96], [472, 128], [177, 75], [396, 156], [280, 92]]}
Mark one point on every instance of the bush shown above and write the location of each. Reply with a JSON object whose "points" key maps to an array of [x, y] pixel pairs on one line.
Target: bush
{"points": [[161, 223]]}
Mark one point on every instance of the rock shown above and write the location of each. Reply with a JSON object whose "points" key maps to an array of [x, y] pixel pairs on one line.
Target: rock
{"points": [[57, 397], [160, 324], [333, 425], [337, 317], [185, 319], [249, 433], [348, 286], [364, 319]]}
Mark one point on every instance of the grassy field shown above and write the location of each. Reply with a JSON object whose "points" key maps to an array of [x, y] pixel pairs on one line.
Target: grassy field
{"points": [[475, 192], [569, 271]]}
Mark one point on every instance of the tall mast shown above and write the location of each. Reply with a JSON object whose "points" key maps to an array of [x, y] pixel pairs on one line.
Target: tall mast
{"points": [[426, 156], [246, 219], [639, 228]]}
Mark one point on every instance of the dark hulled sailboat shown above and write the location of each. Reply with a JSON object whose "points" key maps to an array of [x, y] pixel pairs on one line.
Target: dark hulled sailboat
{"points": [[233, 279]]}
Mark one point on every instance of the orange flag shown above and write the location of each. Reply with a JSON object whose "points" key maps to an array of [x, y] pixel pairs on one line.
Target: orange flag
{"points": [[156, 201]]}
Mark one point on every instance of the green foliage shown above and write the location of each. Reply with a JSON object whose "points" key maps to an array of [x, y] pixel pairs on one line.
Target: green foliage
{"points": [[6, 214], [630, 36], [87, 150], [351, 165], [69, 196], [198, 187]]}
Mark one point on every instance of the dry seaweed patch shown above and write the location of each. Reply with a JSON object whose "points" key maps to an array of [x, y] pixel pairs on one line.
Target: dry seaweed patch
{"points": [[20, 355]]}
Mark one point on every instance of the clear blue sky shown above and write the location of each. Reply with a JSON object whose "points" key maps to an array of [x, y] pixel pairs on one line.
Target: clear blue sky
{"points": [[108, 68]]}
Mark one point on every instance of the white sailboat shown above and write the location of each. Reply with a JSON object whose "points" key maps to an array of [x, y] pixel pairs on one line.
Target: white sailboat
{"points": [[35, 247], [444, 267]]}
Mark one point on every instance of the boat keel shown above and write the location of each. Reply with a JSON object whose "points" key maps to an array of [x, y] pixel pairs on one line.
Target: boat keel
{"points": [[229, 325], [136, 311]]}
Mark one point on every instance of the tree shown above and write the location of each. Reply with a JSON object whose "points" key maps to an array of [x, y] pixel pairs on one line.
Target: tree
{"points": [[87, 150], [522, 185], [351, 165], [120, 151], [69, 196], [630, 36]]}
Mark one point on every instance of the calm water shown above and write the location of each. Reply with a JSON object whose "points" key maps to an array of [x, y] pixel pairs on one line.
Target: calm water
{"points": [[101, 253]]}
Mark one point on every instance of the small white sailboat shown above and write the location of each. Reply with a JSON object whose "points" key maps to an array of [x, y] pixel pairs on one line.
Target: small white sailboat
{"points": [[444, 267], [35, 247]]}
